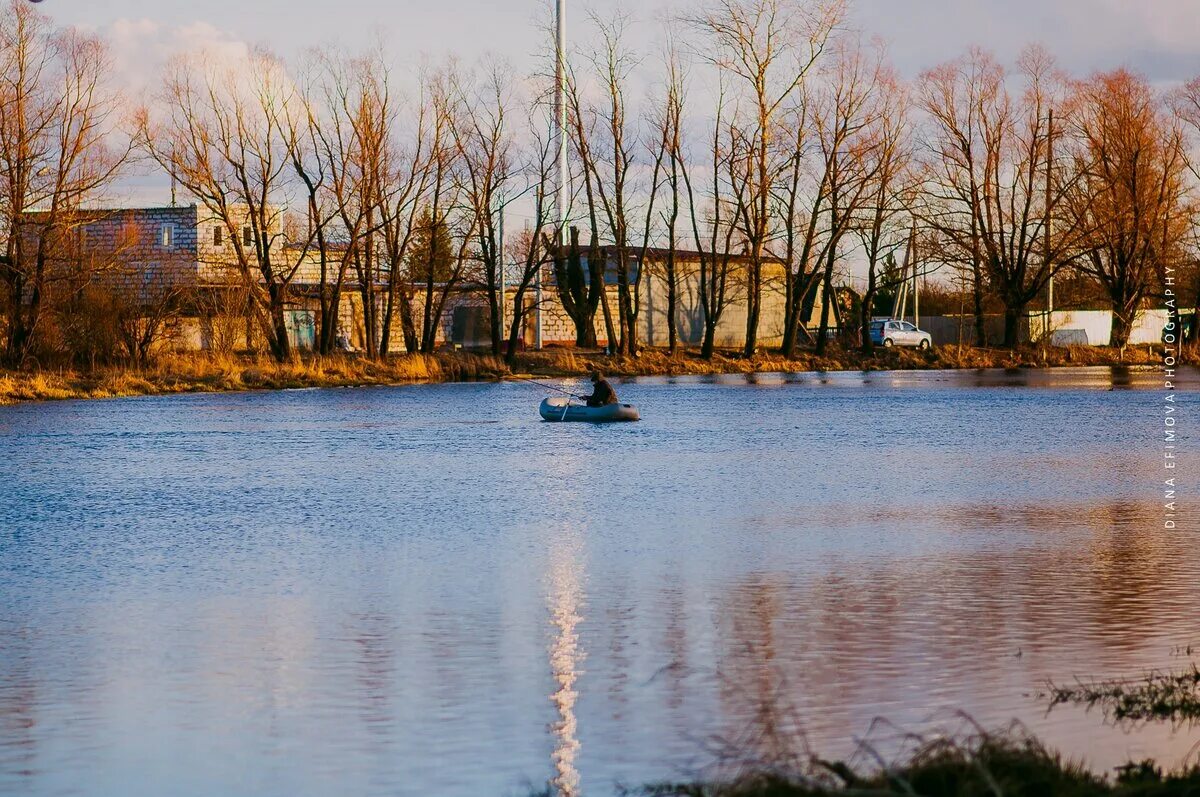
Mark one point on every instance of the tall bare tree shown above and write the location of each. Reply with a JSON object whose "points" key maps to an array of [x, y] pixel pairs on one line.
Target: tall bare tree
{"points": [[56, 155], [337, 137], [606, 143], [1129, 202], [401, 180], [847, 122], [480, 128], [669, 137], [1185, 102], [769, 47], [714, 224], [224, 137], [539, 244], [449, 221], [881, 226], [1000, 174]]}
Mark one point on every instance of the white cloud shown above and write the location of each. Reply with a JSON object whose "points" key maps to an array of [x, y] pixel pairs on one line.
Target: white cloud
{"points": [[141, 49], [1158, 37]]}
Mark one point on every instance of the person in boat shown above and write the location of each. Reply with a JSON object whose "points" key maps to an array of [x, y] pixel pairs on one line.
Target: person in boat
{"points": [[602, 392]]}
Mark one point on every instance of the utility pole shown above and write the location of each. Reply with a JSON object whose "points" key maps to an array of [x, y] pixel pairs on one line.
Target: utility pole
{"points": [[1046, 226], [503, 275], [560, 118]]}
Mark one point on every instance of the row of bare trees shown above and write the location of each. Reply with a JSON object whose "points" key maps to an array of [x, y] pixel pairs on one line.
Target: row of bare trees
{"points": [[403, 197], [779, 146]]}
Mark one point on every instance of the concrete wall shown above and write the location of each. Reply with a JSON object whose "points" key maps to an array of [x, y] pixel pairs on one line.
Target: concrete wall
{"points": [[652, 317], [1073, 324]]}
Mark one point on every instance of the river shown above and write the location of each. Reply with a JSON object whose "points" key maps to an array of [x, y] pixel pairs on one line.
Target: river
{"points": [[428, 590]]}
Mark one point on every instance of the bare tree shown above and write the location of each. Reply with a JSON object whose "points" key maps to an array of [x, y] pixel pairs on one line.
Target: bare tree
{"points": [[714, 231], [769, 46], [55, 156], [606, 147], [539, 244], [1186, 105], [224, 137], [846, 125], [1000, 174], [401, 180], [448, 223], [1129, 202], [337, 134], [890, 186], [481, 132], [666, 144]]}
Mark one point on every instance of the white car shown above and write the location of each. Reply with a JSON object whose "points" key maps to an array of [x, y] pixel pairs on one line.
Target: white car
{"points": [[889, 332]]}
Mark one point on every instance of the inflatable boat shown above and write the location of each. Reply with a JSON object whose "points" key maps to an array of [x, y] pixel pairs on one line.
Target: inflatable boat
{"points": [[561, 409]]}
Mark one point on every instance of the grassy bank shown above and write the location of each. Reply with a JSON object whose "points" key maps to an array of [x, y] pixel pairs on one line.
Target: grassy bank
{"points": [[191, 373], [774, 759], [981, 765]]}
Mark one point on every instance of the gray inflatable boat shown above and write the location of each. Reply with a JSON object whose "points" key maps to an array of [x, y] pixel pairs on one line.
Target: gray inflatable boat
{"points": [[561, 409]]}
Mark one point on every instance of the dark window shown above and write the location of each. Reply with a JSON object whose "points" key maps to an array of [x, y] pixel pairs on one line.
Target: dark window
{"points": [[217, 235], [247, 237]]}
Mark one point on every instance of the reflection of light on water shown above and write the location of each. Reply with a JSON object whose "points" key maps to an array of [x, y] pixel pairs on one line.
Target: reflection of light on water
{"points": [[565, 600]]}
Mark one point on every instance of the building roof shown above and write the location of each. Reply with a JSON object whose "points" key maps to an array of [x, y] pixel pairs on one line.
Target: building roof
{"points": [[660, 253]]}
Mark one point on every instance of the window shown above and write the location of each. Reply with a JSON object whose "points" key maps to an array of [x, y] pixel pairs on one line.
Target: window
{"points": [[167, 236], [218, 236], [247, 237]]}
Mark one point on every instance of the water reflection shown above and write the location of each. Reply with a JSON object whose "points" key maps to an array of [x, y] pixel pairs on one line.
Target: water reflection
{"points": [[565, 602], [198, 609]]}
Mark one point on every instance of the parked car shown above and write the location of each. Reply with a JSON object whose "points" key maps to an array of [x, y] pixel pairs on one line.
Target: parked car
{"points": [[888, 332]]}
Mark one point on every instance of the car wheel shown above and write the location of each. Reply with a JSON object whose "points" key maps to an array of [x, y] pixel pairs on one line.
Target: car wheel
{"points": [[887, 343], [924, 344]]}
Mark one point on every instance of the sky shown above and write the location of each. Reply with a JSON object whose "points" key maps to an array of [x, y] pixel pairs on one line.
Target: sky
{"points": [[1160, 38]]}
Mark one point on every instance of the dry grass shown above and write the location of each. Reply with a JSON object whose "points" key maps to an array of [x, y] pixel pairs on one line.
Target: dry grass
{"points": [[657, 362], [191, 373], [773, 758], [1168, 696], [202, 373]]}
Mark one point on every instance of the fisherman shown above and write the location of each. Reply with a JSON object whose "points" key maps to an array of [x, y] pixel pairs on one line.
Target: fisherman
{"points": [[602, 392]]}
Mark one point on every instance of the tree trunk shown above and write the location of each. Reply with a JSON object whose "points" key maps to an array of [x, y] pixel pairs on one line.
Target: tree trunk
{"points": [[1122, 326], [710, 338], [672, 302], [281, 344], [826, 297], [866, 311], [1012, 325], [753, 305], [977, 304]]}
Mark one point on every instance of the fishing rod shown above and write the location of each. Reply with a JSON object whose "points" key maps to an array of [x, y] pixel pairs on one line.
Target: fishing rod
{"points": [[546, 385]]}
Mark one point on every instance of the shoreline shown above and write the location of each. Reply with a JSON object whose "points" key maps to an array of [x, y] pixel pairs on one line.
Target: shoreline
{"points": [[204, 373]]}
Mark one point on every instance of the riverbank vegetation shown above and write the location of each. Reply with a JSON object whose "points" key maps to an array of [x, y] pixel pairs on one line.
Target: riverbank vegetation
{"points": [[201, 372], [774, 759], [1163, 696], [981, 764]]}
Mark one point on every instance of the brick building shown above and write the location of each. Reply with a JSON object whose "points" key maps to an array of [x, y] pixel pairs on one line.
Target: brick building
{"points": [[149, 254]]}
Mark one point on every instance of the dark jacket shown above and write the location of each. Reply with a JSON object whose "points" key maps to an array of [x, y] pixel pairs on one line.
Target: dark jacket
{"points": [[602, 394]]}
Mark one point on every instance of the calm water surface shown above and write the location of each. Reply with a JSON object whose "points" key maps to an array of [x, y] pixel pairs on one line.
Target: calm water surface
{"points": [[427, 590]]}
